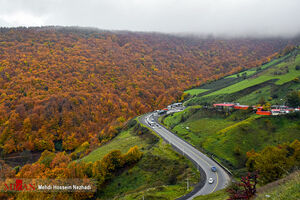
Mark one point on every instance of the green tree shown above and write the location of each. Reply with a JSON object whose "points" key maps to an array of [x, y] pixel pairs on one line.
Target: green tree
{"points": [[273, 162], [293, 99], [46, 158], [262, 101]]}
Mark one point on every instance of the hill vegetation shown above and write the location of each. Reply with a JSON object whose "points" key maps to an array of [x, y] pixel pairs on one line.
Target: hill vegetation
{"points": [[61, 87], [283, 189], [149, 178], [229, 135], [67, 91], [240, 139], [134, 164], [272, 81]]}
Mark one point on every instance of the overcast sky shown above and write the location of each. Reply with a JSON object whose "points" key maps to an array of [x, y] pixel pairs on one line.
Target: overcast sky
{"points": [[217, 17]]}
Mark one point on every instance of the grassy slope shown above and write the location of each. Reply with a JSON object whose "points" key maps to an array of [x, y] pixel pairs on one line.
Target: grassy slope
{"points": [[230, 80], [228, 136], [196, 91], [284, 189], [152, 175], [124, 141], [254, 70], [273, 88], [248, 73], [287, 189], [263, 77], [253, 97]]}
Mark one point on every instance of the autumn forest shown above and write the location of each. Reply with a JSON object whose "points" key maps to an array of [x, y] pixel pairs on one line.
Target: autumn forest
{"points": [[60, 87]]}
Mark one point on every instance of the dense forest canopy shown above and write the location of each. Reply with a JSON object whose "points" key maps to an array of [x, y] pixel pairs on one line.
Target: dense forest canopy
{"points": [[60, 87]]}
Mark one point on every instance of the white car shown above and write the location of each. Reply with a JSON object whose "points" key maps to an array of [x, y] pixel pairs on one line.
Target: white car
{"points": [[210, 180], [151, 123]]}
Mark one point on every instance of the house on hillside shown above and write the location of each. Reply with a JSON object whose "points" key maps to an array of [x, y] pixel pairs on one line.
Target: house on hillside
{"points": [[281, 109], [262, 112], [241, 107], [275, 109], [224, 106]]}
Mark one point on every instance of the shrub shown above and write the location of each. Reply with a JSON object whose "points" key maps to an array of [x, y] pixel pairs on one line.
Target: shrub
{"points": [[293, 99], [273, 162]]}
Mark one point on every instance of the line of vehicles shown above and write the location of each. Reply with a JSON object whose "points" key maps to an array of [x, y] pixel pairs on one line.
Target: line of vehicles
{"points": [[213, 169], [176, 107]]}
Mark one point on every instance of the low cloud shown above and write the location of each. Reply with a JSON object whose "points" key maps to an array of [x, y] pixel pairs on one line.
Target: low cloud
{"points": [[22, 19], [214, 17]]}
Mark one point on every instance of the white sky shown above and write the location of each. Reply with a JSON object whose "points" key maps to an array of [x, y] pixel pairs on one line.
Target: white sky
{"points": [[217, 17]]}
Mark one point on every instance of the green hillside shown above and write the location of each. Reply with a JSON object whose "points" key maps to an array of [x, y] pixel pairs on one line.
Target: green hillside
{"points": [[229, 135], [149, 177], [284, 189], [196, 91], [271, 81]]}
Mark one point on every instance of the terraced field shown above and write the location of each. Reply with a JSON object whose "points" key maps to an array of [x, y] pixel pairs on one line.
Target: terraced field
{"points": [[290, 74]]}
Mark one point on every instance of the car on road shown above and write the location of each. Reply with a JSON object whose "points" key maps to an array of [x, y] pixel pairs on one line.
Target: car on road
{"points": [[161, 112], [210, 180], [213, 168], [151, 123]]}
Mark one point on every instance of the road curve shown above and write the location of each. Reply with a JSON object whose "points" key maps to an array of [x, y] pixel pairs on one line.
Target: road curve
{"points": [[220, 177]]}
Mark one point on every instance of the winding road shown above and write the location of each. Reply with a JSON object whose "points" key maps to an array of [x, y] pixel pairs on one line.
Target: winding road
{"points": [[204, 163]]}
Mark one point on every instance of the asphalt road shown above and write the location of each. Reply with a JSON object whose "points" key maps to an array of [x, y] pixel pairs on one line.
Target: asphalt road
{"points": [[220, 177]]}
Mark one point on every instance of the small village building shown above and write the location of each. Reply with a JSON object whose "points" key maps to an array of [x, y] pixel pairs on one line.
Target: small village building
{"points": [[261, 112], [241, 107], [224, 105]]}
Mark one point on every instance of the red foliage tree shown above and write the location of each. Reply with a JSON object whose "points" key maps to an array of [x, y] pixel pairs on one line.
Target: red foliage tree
{"points": [[245, 189]]}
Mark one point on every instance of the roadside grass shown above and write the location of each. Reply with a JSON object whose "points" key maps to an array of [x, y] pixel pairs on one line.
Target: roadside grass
{"points": [[180, 116], [289, 189], [218, 195], [159, 193], [161, 173], [195, 91]]}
